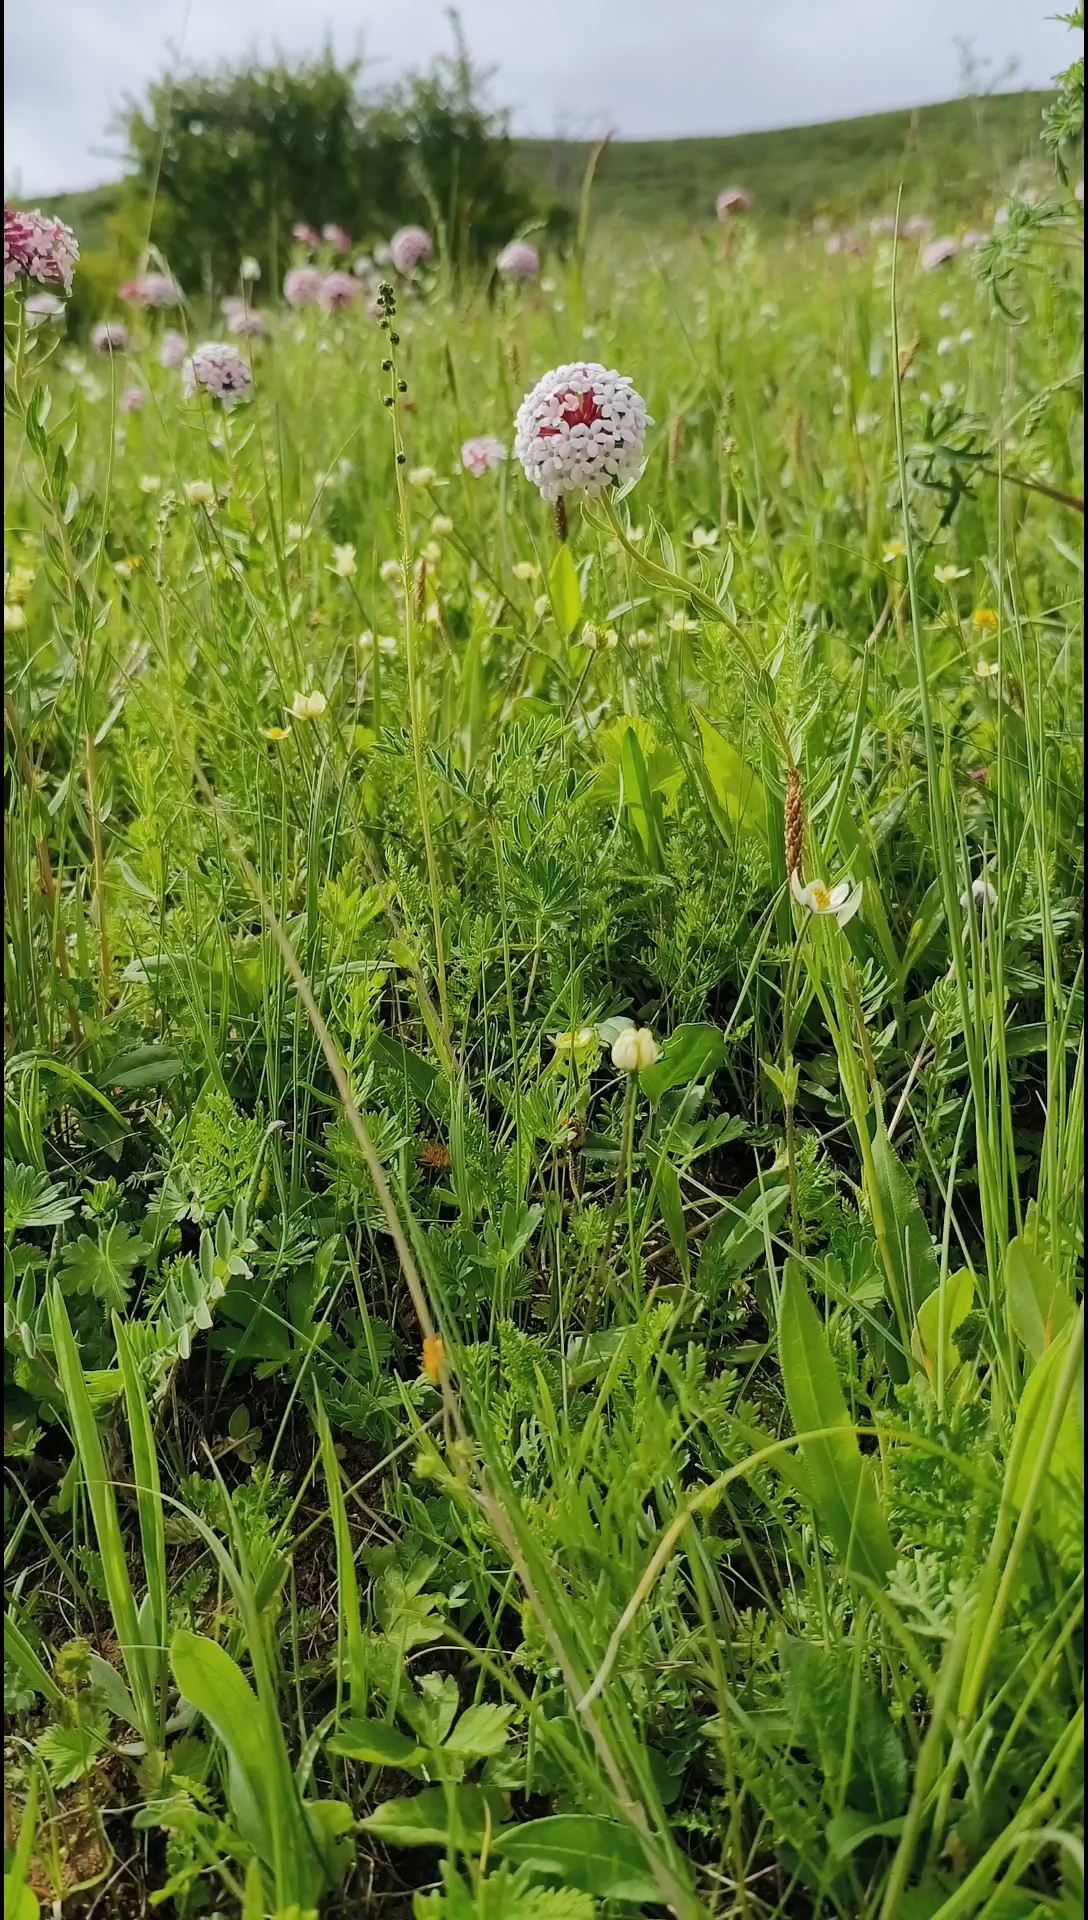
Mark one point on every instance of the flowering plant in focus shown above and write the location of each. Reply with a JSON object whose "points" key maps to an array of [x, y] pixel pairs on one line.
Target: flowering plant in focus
{"points": [[583, 427], [38, 248]]}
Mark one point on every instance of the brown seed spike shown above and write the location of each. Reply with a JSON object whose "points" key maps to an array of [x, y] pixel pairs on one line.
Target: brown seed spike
{"points": [[561, 518], [795, 823]]}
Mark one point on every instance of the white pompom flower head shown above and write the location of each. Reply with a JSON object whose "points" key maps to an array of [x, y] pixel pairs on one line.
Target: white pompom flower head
{"points": [[581, 429]]}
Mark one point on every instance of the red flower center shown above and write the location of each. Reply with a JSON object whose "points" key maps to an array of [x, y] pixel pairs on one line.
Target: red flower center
{"points": [[580, 411]]}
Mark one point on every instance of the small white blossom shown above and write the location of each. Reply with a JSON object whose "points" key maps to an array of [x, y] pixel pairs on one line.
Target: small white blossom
{"points": [[634, 1050], [343, 561], [200, 493], [308, 706], [981, 895], [422, 476], [841, 902]]}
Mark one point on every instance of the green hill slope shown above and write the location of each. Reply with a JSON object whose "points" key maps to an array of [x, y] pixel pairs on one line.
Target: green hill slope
{"points": [[956, 153], [951, 156]]}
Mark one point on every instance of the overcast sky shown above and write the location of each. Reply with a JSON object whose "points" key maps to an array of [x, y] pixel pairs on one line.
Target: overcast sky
{"points": [[650, 68]]}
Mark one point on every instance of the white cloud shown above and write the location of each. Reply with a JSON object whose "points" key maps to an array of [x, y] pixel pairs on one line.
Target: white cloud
{"points": [[640, 67]]}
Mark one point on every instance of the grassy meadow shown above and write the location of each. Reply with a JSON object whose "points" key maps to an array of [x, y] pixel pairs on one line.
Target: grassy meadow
{"points": [[451, 1475]]}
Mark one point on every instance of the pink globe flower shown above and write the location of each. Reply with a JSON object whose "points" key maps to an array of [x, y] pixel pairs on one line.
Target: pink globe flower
{"points": [[217, 369], [518, 261], [173, 348], [843, 243], [337, 291], [480, 455], [1078, 193], [110, 337], [133, 399], [938, 253], [916, 226], [731, 201], [973, 239], [583, 426], [242, 320], [38, 248], [336, 237], [408, 247], [306, 236], [152, 290], [302, 286]]}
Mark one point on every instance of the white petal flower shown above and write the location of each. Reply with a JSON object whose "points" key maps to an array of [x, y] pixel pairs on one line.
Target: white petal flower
{"points": [[308, 706], [839, 902], [981, 895], [582, 428], [343, 561], [634, 1050]]}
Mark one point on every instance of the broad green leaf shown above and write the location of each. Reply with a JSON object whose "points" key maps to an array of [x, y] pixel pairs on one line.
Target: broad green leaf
{"points": [[480, 1732], [566, 594], [376, 1743], [20, 1903], [459, 1817], [215, 1685], [1039, 1306], [844, 1492], [143, 1067], [690, 1053], [848, 1830], [907, 1236], [584, 1851], [736, 788], [1060, 1510], [940, 1313]]}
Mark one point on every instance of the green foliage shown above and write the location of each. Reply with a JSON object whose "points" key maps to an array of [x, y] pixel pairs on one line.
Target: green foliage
{"points": [[654, 1491], [230, 159]]}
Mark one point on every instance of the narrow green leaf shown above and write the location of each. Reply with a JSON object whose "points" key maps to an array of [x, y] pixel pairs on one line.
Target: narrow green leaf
{"points": [[348, 1604], [215, 1685], [908, 1237], [667, 1194], [940, 1313], [844, 1493], [107, 1526]]}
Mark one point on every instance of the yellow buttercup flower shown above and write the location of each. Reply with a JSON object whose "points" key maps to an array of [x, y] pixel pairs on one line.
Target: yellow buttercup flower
{"points": [[895, 550], [985, 619], [276, 733], [433, 1363]]}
